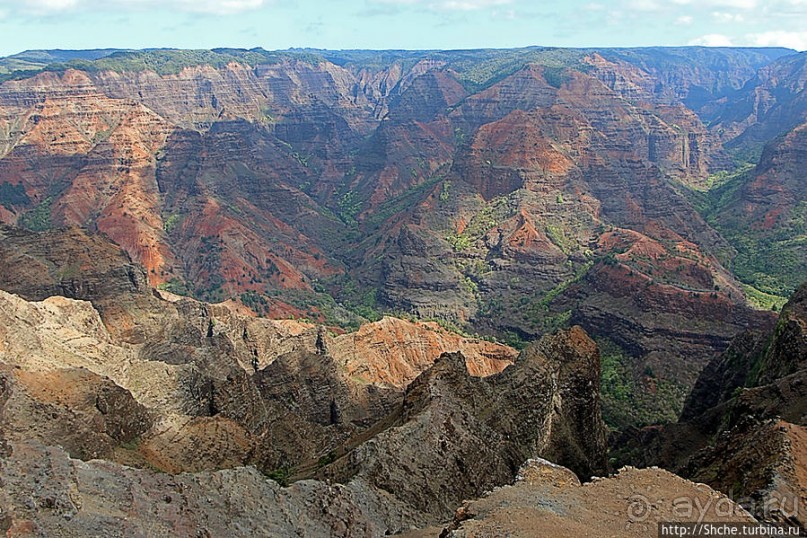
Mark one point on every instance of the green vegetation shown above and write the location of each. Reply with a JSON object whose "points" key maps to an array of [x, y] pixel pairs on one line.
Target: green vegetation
{"points": [[763, 301], [361, 302], [132, 444], [176, 286], [282, 475], [302, 159], [514, 340], [771, 259], [558, 235], [724, 176], [408, 199], [482, 68], [349, 205], [256, 302], [445, 193], [629, 399], [38, 219], [537, 312], [69, 271], [555, 76], [172, 61], [13, 195], [489, 217], [327, 459], [34, 60], [314, 304], [459, 136], [209, 260], [774, 261], [581, 272], [477, 69], [161, 61], [172, 222]]}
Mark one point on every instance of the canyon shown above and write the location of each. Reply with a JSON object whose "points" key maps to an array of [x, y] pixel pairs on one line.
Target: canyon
{"points": [[128, 410], [360, 288]]}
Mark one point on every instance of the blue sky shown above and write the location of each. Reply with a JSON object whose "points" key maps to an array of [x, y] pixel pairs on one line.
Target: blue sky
{"points": [[389, 24]]}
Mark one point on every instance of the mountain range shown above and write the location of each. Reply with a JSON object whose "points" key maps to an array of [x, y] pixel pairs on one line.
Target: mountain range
{"points": [[213, 259]]}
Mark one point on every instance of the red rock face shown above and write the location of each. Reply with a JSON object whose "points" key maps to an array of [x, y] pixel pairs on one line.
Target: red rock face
{"points": [[111, 143], [99, 154], [507, 198], [395, 352]]}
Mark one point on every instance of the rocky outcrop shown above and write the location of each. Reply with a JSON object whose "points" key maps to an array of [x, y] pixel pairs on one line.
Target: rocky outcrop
{"points": [[72, 497], [88, 415], [761, 462], [547, 500], [456, 436], [69, 262]]}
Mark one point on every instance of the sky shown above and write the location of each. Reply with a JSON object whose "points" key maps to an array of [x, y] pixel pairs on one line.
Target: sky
{"points": [[398, 24]]}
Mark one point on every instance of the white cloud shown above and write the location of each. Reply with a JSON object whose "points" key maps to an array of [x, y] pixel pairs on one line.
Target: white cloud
{"points": [[793, 7], [666, 5], [726, 17], [47, 7], [780, 38], [507, 14], [712, 40], [51, 5], [645, 5], [469, 5], [725, 4], [685, 20], [448, 5]]}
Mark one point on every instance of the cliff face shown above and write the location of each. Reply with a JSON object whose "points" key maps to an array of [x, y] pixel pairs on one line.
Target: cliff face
{"points": [[395, 352], [190, 387], [456, 436], [693, 75], [742, 430], [762, 211], [770, 104], [507, 193], [69, 262]]}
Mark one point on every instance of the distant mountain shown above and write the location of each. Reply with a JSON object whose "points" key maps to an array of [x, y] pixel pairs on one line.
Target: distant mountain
{"points": [[769, 105], [35, 60]]}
